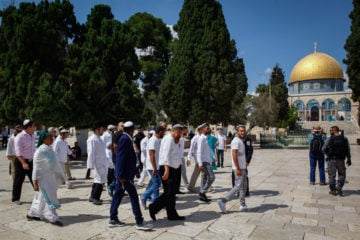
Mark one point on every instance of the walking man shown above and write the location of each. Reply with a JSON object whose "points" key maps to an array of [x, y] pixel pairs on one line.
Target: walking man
{"points": [[316, 154], [152, 166], [239, 168], [170, 165], [24, 150], [62, 150], [337, 148], [204, 157], [96, 150], [221, 147], [125, 171], [192, 153]]}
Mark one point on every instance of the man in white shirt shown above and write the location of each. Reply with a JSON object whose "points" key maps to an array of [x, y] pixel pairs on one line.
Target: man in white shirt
{"points": [[96, 151], [203, 155], [221, 147], [239, 168], [62, 150], [107, 135], [143, 157], [182, 173], [152, 165], [10, 150], [170, 164], [192, 153]]}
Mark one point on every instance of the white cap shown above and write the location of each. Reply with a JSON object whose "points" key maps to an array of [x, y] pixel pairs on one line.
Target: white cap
{"points": [[110, 127], [128, 124], [201, 126], [152, 132], [26, 122], [64, 130], [176, 126]]}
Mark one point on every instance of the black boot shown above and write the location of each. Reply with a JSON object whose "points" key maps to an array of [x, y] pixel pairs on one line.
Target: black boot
{"points": [[204, 198], [333, 190]]}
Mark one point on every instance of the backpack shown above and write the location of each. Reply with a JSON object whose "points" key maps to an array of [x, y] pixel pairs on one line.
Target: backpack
{"points": [[248, 148], [338, 147], [316, 144]]}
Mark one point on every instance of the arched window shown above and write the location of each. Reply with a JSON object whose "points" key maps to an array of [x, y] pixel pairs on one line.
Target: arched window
{"points": [[344, 104], [328, 104], [299, 105], [312, 103]]}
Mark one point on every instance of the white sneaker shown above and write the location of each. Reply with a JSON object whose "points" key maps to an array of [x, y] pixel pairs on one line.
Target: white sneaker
{"points": [[222, 206], [144, 226], [243, 208]]}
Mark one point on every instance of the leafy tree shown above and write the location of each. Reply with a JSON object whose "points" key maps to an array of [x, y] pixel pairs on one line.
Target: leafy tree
{"points": [[279, 92], [152, 38], [102, 69], [202, 73], [353, 53], [33, 49], [261, 115]]}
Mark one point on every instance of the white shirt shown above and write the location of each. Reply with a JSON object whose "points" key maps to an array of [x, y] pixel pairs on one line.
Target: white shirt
{"points": [[221, 141], [10, 150], [61, 149], [203, 153], [153, 144], [109, 158], [169, 152], [96, 151], [238, 144], [182, 147], [143, 149], [193, 147], [106, 137]]}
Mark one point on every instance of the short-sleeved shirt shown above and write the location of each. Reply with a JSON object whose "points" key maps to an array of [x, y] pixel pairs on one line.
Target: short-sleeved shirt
{"points": [[238, 144], [153, 144], [221, 141]]}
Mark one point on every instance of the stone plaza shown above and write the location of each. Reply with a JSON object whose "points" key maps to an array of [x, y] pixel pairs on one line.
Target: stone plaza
{"points": [[282, 205]]}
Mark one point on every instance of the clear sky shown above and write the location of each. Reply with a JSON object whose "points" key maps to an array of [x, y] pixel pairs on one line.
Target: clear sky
{"points": [[267, 32]]}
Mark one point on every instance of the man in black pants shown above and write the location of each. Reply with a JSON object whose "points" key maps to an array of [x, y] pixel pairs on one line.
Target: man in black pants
{"points": [[24, 150], [170, 165]]}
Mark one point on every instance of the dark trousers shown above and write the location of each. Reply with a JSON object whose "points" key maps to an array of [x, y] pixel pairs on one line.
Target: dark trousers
{"points": [[96, 191], [119, 193], [110, 176], [247, 180], [87, 175], [4, 142], [336, 166], [20, 177], [167, 198], [178, 179], [220, 157]]}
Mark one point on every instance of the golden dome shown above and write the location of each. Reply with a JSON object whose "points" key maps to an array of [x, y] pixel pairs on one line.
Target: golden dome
{"points": [[316, 66]]}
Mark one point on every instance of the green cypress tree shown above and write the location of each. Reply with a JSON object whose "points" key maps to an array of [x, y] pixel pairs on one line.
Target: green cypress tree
{"points": [[353, 53], [201, 78]]}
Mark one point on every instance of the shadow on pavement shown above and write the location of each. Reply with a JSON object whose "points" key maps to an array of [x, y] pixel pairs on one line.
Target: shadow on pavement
{"points": [[265, 193], [68, 220], [266, 207], [351, 192]]}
